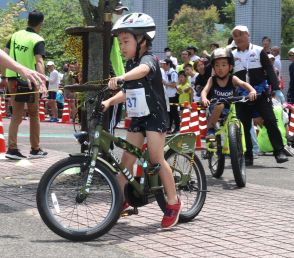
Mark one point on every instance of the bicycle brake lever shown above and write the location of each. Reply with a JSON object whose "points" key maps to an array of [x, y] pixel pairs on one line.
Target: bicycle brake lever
{"points": [[244, 99]]}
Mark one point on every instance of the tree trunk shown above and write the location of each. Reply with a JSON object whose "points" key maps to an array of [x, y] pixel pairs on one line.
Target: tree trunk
{"points": [[98, 45]]}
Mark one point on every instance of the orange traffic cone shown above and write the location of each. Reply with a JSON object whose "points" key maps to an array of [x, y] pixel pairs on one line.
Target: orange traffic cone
{"points": [[291, 123], [127, 121], [185, 119], [42, 111], [203, 123], [139, 171], [2, 107], [65, 114], [194, 124], [2, 139]]}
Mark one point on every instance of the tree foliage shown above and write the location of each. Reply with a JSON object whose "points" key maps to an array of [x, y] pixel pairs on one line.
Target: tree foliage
{"points": [[58, 16], [175, 6], [194, 27], [9, 20], [288, 22], [229, 12]]}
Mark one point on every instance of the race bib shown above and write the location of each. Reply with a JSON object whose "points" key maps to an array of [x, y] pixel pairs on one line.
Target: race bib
{"points": [[136, 103]]}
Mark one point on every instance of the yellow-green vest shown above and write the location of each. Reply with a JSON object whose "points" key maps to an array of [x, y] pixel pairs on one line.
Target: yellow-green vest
{"points": [[22, 49]]}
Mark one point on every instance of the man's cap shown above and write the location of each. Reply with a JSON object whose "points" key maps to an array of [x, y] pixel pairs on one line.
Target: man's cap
{"points": [[291, 51], [240, 28], [50, 63], [120, 6], [166, 61], [270, 56]]}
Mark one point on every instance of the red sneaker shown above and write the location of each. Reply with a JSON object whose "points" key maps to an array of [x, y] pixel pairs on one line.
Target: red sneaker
{"points": [[171, 215], [125, 206]]}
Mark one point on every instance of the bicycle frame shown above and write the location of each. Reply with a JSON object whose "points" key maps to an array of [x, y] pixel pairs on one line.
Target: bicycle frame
{"points": [[222, 131], [183, 143]]}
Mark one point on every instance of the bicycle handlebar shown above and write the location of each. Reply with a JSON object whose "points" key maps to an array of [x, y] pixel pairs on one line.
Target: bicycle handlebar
{"points": [[233, 99], [91, 87]]}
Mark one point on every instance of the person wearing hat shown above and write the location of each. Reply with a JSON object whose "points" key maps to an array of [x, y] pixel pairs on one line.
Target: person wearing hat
{"points": [[275, 51], [290, 93], [272, 59], [253, 65], [193, 50], [143, 92], [27, 47], [170, 82], [168, 55], [53, 87]]}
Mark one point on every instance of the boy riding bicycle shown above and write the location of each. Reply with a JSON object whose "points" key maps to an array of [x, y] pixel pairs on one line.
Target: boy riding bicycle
{"points": [[145, 102], [222, 85]]}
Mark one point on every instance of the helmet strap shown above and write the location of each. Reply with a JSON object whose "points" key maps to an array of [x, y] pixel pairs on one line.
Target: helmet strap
{"points": [[138, 48]]}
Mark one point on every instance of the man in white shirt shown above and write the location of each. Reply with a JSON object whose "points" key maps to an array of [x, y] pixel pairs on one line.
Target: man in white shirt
{"points": [[168, 55], [193, 50], [52, 90], [170, 80], [276, 53]]}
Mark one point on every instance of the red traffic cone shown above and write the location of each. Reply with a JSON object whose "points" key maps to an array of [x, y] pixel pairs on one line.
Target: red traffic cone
{"points": [[2, 107], [65, 113], [139, 171], [127, 121], [202, 123], [2, 139], [194, 124], [42, 111], [291, 123], [185, 118]]}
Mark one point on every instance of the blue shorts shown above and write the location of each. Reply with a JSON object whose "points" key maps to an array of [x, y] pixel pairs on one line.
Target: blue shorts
{"points": [[225, 111], [52, 95]]}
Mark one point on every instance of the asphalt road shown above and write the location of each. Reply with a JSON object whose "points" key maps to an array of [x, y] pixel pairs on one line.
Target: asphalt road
{"points": [[23, 234]]}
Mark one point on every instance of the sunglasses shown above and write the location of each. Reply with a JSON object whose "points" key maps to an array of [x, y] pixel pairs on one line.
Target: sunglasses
{"points": [[291, 55]]}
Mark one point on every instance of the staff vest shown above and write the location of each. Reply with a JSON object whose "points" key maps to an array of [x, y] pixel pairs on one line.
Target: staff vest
{"points": [[22, 50]]}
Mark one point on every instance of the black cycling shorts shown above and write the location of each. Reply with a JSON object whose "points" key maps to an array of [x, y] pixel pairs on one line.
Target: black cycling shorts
{"points": [[153, 122]]}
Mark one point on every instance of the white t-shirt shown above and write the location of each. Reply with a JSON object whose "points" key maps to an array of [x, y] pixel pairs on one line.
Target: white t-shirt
{"points": [[164, 77], [53, 81], [171, 76]]}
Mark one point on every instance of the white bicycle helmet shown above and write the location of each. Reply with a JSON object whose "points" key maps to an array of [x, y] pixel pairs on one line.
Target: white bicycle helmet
{"points": [[137, 24]]}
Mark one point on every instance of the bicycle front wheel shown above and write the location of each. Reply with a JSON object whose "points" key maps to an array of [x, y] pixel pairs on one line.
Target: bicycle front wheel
{"points": [[71, 217], [216, 160], [193, 190], [236, 153]]}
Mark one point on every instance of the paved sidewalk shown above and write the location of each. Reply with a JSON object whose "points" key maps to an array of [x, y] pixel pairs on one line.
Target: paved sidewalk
{"points": [[255, 221]]}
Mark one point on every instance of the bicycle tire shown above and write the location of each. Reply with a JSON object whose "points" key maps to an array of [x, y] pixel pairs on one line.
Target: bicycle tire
{"points": [[63, 214], [236, 154], [216, 160], [191, 208]]}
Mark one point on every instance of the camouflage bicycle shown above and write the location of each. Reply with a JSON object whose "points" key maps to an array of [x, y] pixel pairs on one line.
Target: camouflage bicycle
{"points": [[79, 197]]}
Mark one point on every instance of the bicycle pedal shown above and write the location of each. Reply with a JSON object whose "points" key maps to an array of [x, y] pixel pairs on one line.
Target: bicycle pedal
{"points": [[129, 212]]}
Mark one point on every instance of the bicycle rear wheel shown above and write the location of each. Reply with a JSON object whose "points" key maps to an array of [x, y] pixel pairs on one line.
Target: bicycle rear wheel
{"points": [[192, 193], [236, 153], [67, 215], [216, 160]]}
